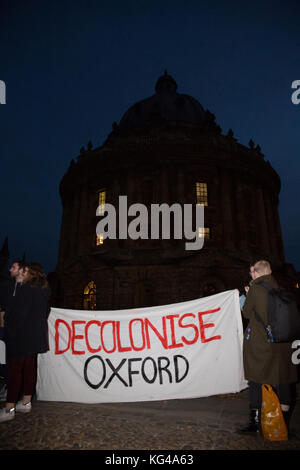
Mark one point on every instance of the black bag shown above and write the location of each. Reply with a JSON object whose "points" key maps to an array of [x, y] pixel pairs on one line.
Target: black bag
{"points": [[283, 316]]}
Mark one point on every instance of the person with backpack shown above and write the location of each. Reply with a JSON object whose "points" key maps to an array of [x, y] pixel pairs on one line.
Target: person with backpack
{"points": [[265, 362]]}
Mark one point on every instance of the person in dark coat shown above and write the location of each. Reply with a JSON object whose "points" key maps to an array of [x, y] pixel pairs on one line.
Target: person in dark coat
{"points": [[264, 362], [26, 335], [8, 289]]}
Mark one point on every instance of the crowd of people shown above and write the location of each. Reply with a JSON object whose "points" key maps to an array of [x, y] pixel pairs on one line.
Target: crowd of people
{"points": [[24, 302]]}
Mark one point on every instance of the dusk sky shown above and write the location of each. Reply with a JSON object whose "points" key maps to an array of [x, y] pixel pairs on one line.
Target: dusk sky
{"points": [[72, 68]]}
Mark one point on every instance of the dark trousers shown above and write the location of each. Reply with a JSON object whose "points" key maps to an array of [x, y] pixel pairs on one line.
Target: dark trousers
{"points": [[285, 393], [21, 372]]}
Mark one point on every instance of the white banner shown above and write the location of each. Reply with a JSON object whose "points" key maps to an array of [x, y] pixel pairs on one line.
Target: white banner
{"points": [[2, 352], [185, 350]]}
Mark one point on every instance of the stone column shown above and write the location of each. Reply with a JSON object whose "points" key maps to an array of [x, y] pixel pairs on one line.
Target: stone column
{"points": [[228, 230], [271, 225], [240, 218], [164, 191], [74, 238], [63, 235], [213, 193], [83, 240], [277, 227], [116, 192], [261, 224], [130, 187], [66, 230], [180, 188]]}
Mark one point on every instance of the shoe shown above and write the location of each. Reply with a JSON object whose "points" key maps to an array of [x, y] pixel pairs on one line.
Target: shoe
{"points": [[254, 424], [20, 407], [7, 415]]}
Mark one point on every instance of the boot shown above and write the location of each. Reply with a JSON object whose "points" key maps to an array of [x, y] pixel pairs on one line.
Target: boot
{"points": [[254, 424], [287, 417]]}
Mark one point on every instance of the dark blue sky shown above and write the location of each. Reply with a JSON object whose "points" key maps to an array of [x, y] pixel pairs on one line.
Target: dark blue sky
{"points": [[71, 68]]}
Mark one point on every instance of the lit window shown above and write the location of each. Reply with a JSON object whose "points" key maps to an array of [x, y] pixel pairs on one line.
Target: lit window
{"points": [[201, 194], [99, 239], [297, 285], [204, 232], [101, 198], [89, 296]]}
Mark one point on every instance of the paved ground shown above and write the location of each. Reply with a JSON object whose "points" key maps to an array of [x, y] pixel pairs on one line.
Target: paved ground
{"points": [[196, 424]]}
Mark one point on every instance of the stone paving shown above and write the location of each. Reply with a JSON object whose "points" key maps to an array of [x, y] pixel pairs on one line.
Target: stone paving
{"points": [[195, 424]]}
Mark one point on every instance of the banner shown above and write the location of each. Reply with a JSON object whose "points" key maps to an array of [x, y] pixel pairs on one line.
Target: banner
{"points": [[185, 350], [2, 347]]}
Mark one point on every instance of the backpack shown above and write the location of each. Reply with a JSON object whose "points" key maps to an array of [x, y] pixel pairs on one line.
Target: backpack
{"points": [[283, 316]]}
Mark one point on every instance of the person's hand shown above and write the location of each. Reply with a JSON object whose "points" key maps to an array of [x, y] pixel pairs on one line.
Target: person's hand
{"points": [[247, 289]]}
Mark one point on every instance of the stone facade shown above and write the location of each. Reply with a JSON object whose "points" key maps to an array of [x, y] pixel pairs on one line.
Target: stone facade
{"points": [[162, 147]]}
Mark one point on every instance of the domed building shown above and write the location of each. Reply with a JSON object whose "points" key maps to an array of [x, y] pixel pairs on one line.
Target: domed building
{"points": [[166, 149]]}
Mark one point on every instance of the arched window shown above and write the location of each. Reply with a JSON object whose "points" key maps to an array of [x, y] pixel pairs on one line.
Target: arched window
{"points": [[89, 296], [201, 194], [101, 200]]}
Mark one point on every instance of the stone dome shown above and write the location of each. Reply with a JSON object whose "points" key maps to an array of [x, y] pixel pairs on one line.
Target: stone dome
{"points": [[165, 104], [168, 152]]}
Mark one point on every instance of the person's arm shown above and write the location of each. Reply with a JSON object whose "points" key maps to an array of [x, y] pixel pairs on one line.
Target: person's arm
{"points": [[249, 304]]}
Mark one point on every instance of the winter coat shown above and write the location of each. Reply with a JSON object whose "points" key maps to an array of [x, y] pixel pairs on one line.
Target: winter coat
{"points": [[264, 362], [6, 288], [25, 322]]}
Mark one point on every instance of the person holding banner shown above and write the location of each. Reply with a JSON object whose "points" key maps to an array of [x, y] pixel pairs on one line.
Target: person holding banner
{"points": [[26, 335], [8, 289], [264, 362]]}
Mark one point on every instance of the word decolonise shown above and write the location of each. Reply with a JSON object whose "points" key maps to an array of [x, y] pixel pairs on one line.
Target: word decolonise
{"points": [[136, 335], [80, 337]]}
